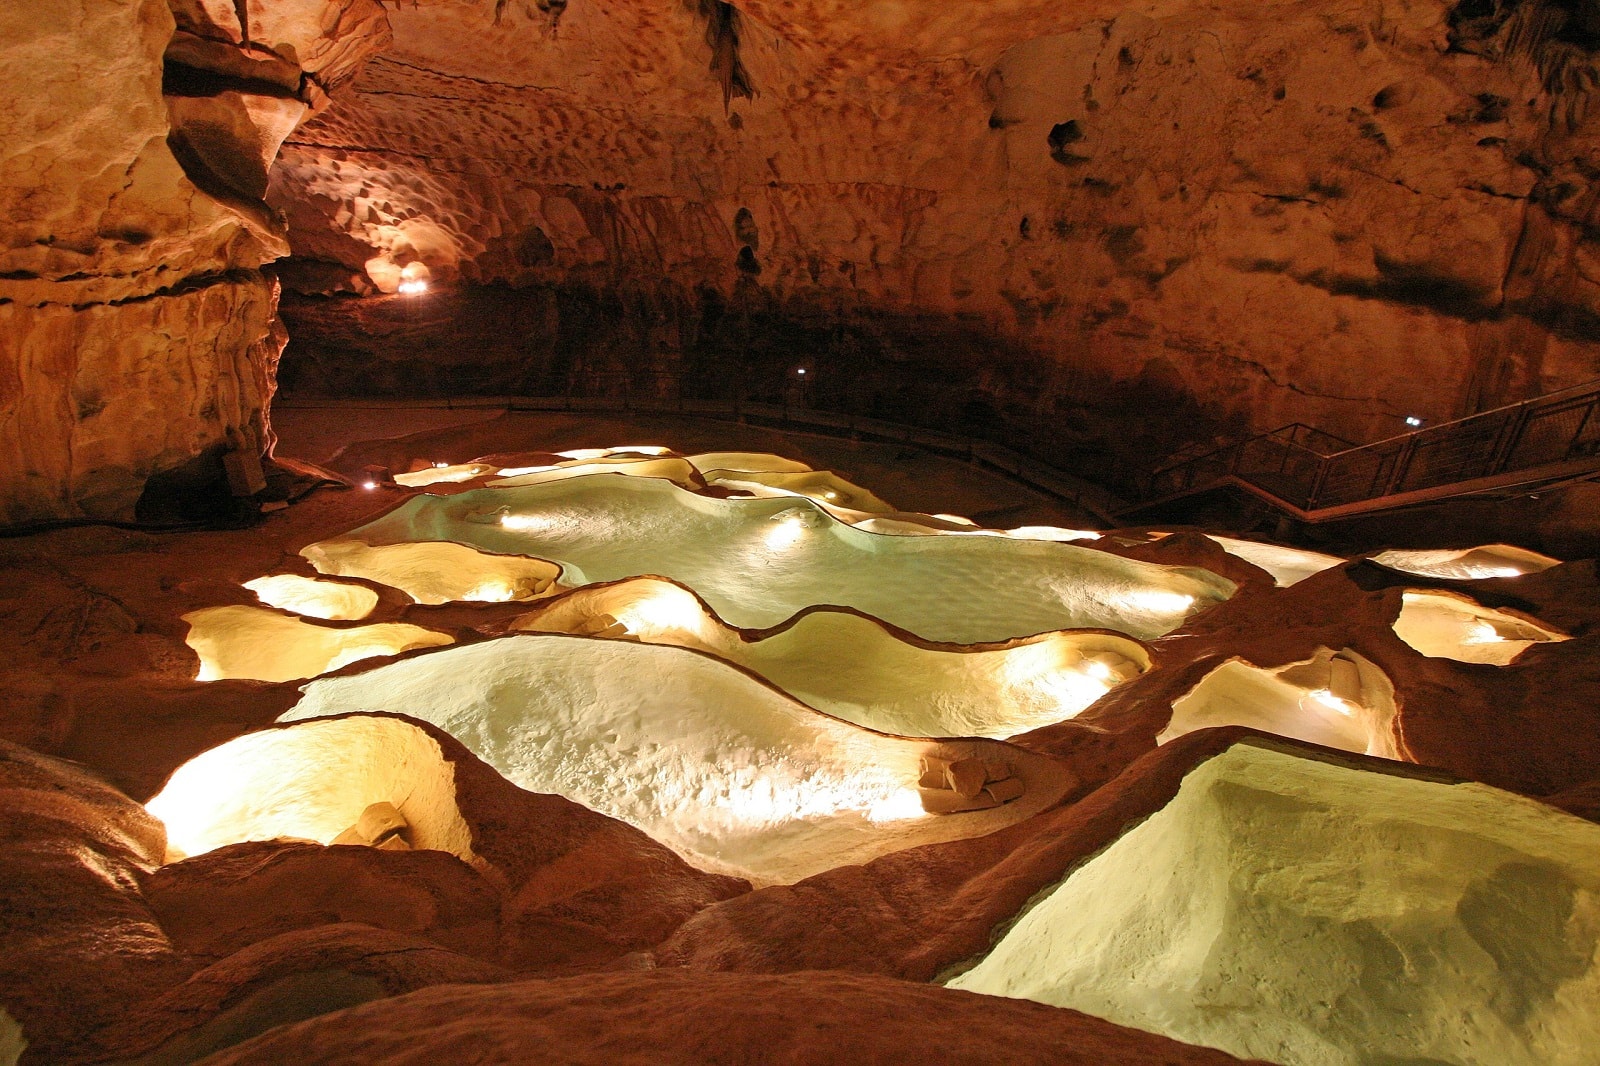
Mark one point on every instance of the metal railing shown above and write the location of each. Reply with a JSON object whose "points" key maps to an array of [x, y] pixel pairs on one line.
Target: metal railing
{"points": [[1313, 471]]}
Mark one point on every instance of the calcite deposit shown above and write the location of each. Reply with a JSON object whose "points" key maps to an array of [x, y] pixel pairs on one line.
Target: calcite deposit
{"points": [[1325, 811], [504, 730]]}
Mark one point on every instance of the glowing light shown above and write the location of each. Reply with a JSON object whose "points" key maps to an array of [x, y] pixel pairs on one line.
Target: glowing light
{"points": [[311, 784], [1326, 699], [785, 533], [671, 610], [1055, 533], [800, 370], [369, 485], [440, 466], [1482, 633], [1413, 421], [523, 523], [1099, 671], [1158, 600], [900, 806], [1500, 571], [789, 526], [413, 287]]}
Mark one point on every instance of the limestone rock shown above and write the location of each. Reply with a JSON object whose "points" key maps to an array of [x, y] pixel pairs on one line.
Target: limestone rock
{"points": [[1340, 217], [139, 334]]}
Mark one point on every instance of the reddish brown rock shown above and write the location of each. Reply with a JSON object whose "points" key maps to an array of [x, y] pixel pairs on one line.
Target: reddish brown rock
{"points": [[672, 1017], [80, 945], [218, 903]]}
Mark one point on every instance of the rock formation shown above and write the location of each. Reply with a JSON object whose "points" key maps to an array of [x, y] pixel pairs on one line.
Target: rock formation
{"points": [[1339, 215], [1018, 221], [140, 333], [1190, 853]]}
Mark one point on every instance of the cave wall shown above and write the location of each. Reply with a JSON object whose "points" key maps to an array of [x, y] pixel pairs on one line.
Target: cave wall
{"points": [[1337, 213], [137, 332], [1012, 219]]}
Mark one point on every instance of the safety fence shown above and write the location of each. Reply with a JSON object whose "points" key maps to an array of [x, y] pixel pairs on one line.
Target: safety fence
{"points": [[1315, 471]]}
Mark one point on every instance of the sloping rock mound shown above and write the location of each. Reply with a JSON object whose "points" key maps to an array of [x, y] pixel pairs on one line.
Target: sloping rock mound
{"points": [[110, 955], [726, 770], [1307, 912], [667, 1017]]}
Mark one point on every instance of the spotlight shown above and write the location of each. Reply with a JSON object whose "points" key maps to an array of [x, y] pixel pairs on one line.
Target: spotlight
{"points": [[1413, 421], [1342, 691], [1482, 633], [1333, 703]]}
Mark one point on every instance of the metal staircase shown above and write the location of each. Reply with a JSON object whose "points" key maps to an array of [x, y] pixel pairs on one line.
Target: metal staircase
{"points": [[1316, 477]]}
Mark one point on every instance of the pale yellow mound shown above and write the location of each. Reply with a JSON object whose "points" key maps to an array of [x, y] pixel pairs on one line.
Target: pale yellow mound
{"points": [[1450, 626], [1467, 564], [255, 644], [437, 571], [1310, 914], [679, 471], [854, 668], [312, 781], [330, 600], [731, 774], [1288, 566], [1337, 699]]}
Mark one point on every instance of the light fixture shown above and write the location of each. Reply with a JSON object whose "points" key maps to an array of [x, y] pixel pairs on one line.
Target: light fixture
{"points": [[1098, 670], [413, 287], [1341, 693], [790, 524], [1413, 421]]}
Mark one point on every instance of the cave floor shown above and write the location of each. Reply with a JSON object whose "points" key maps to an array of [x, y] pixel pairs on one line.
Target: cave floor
{"points": [[97, 671]]}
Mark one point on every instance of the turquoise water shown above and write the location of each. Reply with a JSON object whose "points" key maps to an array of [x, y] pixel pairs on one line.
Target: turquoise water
{"points": [[759, 561]]}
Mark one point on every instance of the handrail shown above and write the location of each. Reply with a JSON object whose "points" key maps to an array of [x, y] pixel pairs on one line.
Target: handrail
{"points": [[1551, 432]]}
